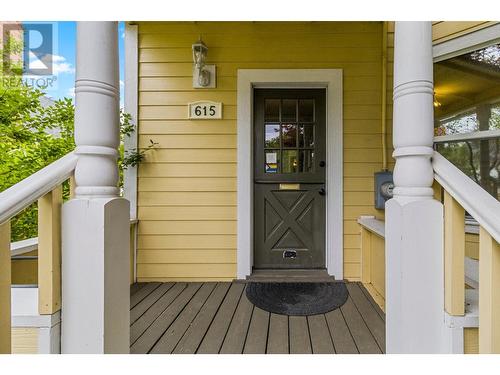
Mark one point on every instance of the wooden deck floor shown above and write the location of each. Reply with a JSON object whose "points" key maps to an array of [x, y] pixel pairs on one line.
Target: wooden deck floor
{"points": [[218, 318]]}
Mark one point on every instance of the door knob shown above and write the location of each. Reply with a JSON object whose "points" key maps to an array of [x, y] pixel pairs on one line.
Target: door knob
{"points": [[322, 191], [322, 163]]}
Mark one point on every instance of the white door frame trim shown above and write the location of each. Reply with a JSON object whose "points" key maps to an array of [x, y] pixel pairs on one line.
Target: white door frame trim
{"points": [[331, 80]]}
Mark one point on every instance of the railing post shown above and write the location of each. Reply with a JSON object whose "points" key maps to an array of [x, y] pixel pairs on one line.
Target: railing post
{"points": [[49, 252], [414, 220], [489, 294], [5, 283], [454, 256], [95, 240]]}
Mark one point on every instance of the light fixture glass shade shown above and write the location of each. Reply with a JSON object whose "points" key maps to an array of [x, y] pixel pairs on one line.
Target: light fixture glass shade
{"points": [[199, 53]]}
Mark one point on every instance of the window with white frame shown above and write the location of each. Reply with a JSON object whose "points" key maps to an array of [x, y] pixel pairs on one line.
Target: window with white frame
{"points": [[467, 114]]}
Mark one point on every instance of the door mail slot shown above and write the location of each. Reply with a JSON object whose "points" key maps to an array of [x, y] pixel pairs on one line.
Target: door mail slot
{"points": [[289, 186]]}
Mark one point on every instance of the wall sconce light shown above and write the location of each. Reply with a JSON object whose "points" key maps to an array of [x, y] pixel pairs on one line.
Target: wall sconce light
{"points": [[203, 75], [436, 102]]}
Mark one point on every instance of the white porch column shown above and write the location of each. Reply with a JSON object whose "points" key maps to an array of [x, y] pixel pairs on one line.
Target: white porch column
{"points": [[95, 225], [414, 220]]}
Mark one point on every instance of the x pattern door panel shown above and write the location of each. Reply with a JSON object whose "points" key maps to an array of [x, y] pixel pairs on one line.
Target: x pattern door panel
{"points": [[290, 224]]}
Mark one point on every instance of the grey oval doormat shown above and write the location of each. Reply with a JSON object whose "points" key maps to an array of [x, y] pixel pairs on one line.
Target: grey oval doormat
{"points": [[297, 298]]}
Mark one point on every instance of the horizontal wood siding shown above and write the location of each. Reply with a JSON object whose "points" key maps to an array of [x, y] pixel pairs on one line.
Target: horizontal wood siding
{"points": [[446, 30], [471, 341], [25, 340], [187, 186]]}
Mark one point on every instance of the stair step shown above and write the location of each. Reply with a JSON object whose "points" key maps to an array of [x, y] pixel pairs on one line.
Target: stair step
{"points": [[281, 276]]}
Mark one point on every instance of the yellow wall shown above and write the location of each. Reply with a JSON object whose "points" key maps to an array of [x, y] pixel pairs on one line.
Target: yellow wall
{"points": [[25, 340], [25, 271], [472, 245], [471, 341], [187, 187]]}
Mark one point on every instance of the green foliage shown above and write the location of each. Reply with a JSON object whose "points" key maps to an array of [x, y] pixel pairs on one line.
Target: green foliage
{"points": [[32, 137], [134, 157]]}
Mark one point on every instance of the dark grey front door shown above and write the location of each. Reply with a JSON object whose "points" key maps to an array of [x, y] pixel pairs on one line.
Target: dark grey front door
{"points": [[289, 178]]}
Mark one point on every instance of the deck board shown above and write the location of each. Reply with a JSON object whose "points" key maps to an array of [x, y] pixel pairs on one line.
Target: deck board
{"points": [[300, 342], [237, 332], [375, 324], [143, 322], [277, 342], [196, 331], [143, 293], [321, 341], [257, 332], [340, 333], [154, 332], [138, 310], [135, 287], [362, 336], [377, 308], [215, 335], [175, 332], [218, 318]]}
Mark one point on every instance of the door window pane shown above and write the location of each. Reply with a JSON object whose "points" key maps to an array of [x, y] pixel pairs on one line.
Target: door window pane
{"points": [[272, 136], [272, 110], [306, 161], [289, 133], [290, 162], [306, 110], [289, 110], [272, 160], [306, 136]]}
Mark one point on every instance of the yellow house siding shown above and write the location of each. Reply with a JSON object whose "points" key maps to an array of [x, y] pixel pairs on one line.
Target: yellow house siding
{"points": [[25, 271], [471, 341], [187, 186], [446, 30], [25, 340]]}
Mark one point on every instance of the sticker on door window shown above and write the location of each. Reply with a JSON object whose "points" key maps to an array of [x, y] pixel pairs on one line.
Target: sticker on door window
{"points": [[271, 162]]}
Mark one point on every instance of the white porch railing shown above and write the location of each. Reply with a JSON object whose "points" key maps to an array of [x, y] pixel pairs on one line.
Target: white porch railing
{"points": [[44, 186], [462, 194], [18, 197]]}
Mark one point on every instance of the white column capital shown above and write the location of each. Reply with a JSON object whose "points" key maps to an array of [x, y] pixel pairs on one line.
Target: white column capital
{"points": [[413, 131], [97, 110]]}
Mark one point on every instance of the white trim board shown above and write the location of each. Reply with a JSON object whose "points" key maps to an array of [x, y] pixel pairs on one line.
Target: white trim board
{"points": [[331, 80], [466, 43], [131, 106], [131, 103]]}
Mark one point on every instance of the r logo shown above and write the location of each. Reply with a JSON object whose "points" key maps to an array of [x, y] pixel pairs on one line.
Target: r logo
{"points": [[36, 41], [38, 49]]}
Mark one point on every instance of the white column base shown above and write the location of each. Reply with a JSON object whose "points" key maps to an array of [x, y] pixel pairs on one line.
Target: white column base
{"points": [[95, 276], [414, 277]]}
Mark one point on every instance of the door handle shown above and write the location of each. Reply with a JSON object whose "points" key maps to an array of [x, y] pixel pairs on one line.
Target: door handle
{"points": [[322, 191]]}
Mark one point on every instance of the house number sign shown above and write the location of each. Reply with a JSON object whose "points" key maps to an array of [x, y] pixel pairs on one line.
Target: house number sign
{"points": [[205, 110]]}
